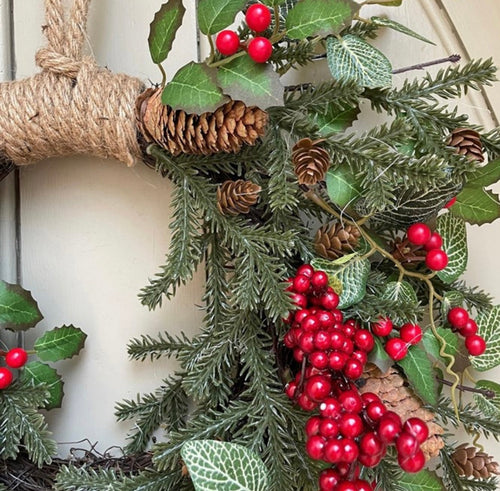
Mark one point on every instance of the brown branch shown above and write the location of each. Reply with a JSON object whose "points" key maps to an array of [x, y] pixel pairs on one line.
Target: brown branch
{"points": [[489, 394], [421, 66]]}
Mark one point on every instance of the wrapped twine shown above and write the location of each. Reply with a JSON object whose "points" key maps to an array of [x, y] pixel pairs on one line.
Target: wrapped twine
{"points": [[72, 106]]}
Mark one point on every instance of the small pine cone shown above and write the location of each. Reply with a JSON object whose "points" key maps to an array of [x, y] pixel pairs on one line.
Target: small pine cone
{"points": [[406, 252], [470, 462], [397, 397], [236, 197], [333, 240], [467, 142], [226, 129], [310, 161]]}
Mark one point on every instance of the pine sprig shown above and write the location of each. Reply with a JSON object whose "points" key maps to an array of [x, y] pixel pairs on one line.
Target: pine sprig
{"points": [[164, 345], [72, 478]]}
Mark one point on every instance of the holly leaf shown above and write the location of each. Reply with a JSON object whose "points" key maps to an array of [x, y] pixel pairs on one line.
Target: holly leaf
{"points": [[399, 291], [351, 58], [221, 465], [396, 26], [379, 357], [451, 299], [335, 120], [194, 90], [342, 187], [418, 369], [18, 309], [163, 29], [476, 205], [485, 176], [489, 407], [319, 17], [60, 343], [421, 481], [40, 373], [432, 344], [215, 15], [488, 323], [452, 230], [256, 84]]}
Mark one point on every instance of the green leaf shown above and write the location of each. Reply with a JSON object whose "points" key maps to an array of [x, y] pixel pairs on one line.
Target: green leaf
{"points": [[194, 90], [215, 15], [488, 323], [451, 299], [319, 17], [256, 84], [60, 343], [392, 24], [335, 121], [399, 291], [18, 309], [40, 373], [454, 234], [223, 466], [353, 59], [379, 357], [485, 176], [418, 369], [476, 206], [489, 407], [342, 187], [432, 344], [421, 481], [164, 28]]}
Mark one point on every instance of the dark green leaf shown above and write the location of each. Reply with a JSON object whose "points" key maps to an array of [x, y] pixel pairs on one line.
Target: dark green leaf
{"points": [[351, 58], [319, 17], [164, 28], [194, 90], [256, 84], [419, 371], [378, 356], [343, 188], [421, 481], [476, 206], [433, 345], [335, 121], [489, 406], [18, 310], [452, 230], [485, 176], [488, 322], [215, 15], [60, 343], [392, 24], [40, 373]]}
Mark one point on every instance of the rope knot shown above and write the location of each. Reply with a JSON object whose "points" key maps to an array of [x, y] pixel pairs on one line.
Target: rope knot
{"points": [[58, 63]]}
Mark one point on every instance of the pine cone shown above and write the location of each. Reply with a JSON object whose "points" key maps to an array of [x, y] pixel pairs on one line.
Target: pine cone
{"points": [[407, 253], [236, 197], [397, 397], [333, 240], [310, 161], [470, 462], [226, 129], [467, 142]]}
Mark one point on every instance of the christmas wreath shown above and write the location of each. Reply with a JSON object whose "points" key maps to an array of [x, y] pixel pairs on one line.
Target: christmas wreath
{"points": [[339, 344]]}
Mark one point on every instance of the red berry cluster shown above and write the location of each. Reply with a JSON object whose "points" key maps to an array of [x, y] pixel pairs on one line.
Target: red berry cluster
{"points": [[420, 234], [397, 347], [14, 358], [467, 327], [258, 19]]}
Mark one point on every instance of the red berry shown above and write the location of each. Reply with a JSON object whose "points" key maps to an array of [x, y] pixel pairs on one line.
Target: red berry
{"points": [[329, 300], [305, 403], [315, 447], [328, 428], [351, 425], [328, 480], [5, 377], [436, 259], [337, 339], [361, 356], [375, 410], [350, 450], [339, 316], [312, 426], [369, 397], [326, 319], [362, 485], [346, 486], [258, 17], [382, 327], [300, 300], [469, 329], [371, 444], [301, 284], [388, 429], [406, 445], [353, 369], [369, 460], [333, 451], [319, 281], [289, 340], [298, 355], [322, 340], [351, 401], [364, 340], [227, 42], [435, 242], [475, 345], [16, 358], [318, 387], [319, 359], [396, 348], [330, 408], [260, 49], [291, 389], [300, 315], [412, 464], [306, 342], [451, 202], [310, 323], [348, 347], [306, 270], [419, 233], [411, 333], [337, 360], [458, 317], [418, 428]]}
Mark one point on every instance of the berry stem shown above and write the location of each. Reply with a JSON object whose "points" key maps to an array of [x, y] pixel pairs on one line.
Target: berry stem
{"points": [[212, 49], [277, 20], [421, 66], [489, 394]]}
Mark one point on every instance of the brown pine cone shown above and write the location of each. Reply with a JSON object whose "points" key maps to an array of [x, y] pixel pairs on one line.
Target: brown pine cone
{"points": [[467, 142], [470, 462], [397, 397], [226, 129], [236, 197], [333, 240], [406, 252], [310, 161]]}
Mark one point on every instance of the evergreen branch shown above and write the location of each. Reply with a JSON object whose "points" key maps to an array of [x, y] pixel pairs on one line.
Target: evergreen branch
{"points": [[155, 348], [292, 54], [72, 478], [157, 481], [474, 297], [387, 475], [365, 30]]}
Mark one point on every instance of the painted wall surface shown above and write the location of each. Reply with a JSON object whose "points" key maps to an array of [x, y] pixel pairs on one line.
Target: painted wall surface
{"points": [[93, 231]]}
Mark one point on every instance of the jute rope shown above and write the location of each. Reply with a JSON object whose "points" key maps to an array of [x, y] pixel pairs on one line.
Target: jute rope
{"points": [[72, 106]]}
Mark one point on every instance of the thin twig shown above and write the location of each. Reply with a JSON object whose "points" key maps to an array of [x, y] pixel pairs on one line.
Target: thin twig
{"points": [[489, 394], [421, 66]]}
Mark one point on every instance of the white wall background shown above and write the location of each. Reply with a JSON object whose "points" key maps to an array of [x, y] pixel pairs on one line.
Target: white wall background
{"points": [[93, 231]]}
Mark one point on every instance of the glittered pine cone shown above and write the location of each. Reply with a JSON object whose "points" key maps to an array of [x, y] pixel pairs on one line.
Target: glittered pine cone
{"points": [[333, 240], [391, 388], [237, 197], [310, 161], [226, 129], [467, 142], [470, 462]]}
